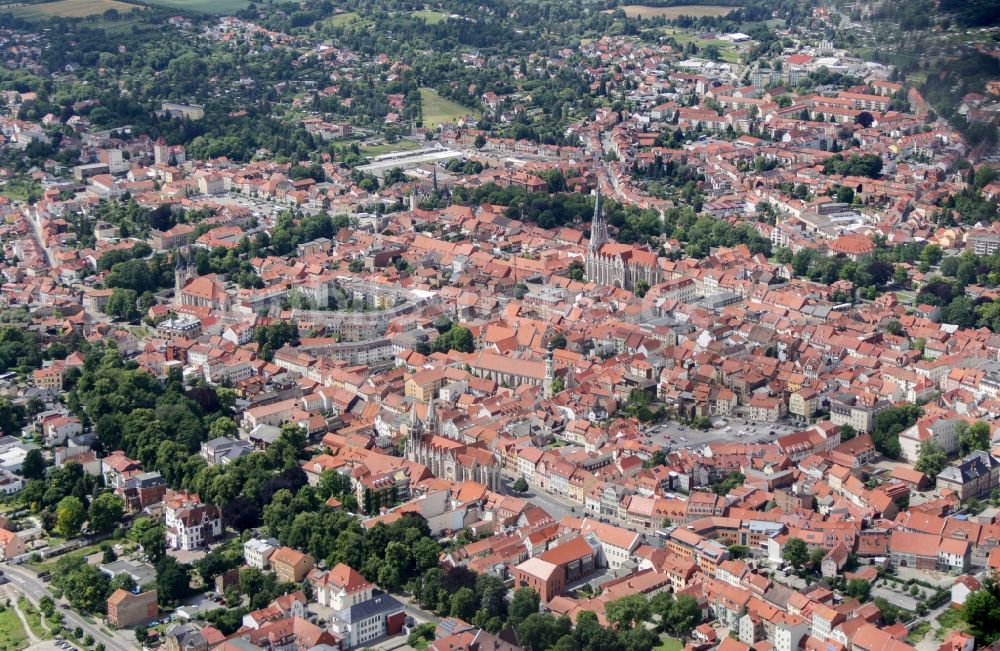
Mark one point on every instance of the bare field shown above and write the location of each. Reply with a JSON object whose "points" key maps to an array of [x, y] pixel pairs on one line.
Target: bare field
{"points": [[695, 11]]}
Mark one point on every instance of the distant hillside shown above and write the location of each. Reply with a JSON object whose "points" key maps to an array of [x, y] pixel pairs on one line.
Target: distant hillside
{"points": [[680, 3], [972, 13]]}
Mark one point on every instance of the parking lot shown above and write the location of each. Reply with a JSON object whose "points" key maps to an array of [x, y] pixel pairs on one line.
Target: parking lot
{"points": [[732, 429]]}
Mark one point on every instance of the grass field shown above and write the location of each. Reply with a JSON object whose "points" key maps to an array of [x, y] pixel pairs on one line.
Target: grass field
{"points": [[204, 6], [341, 19], [12, 635], [33, 617], [437, 109], [430, 17], [389, 148], [669, 644], [683, 37], [67, 8], [695, 11]]}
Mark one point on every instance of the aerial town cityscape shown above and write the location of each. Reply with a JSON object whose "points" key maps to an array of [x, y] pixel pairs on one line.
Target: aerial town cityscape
{"points": [[500, 325]]}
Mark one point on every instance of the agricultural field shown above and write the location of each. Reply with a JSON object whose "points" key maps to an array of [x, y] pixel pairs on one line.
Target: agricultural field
{"points": [[204, 6], [695, 11], [437, 109], [430, 17], [340, 20], [67, 8]]}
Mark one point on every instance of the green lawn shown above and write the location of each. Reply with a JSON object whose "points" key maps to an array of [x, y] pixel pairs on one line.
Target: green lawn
{"points": [[390, 148], [430, 17], [12, 635], [341, 19], [669, 644], [204, 6], [437, 109], [727, 50], [33, 617]]}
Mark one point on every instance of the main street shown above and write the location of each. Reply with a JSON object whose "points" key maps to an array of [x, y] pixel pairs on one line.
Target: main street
{"points": [[559, 507], [34, 589]]}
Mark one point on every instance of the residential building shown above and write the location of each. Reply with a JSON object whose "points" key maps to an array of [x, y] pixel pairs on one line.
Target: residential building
{"points": [[291, 566], [126, 609]]}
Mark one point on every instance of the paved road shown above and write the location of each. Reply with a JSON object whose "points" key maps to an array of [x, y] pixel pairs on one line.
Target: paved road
{"points": [[558, 507], [416, 612], [35, 589], [36, 233]]}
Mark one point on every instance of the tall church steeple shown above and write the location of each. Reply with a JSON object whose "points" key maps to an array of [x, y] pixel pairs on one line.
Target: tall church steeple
{"points": [[598, 227], [430, 421], [550, 374], [414, 433]]}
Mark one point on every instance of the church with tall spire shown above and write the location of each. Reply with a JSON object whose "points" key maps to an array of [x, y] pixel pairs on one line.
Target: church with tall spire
{"points": [[446, 457], [620, 265]]}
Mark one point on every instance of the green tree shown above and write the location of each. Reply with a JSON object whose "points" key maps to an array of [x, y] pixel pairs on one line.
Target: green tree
{"points": [[731, 481], [463, 604], [70, 516], [520, 485], [685, 614], [332, 483], [982, 613], [738, 551], [492, 595], [33, 466], [223, 427], [889, 423], [931, 460], [123, 304], [524, 604], [211, 565], [628, 612], [150, 536], [457, 338], [542, 631], [84, 585], [860, 589], [795, 552], [974, 437], [660, 605], [105, 512], [173, 579]]}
